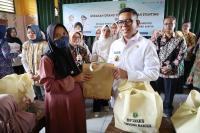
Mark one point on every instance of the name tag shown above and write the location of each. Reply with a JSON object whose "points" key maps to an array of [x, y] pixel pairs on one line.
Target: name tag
{"points": [[117, 52]]}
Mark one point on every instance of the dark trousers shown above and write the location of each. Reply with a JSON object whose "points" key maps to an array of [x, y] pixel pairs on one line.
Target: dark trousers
{"points": [[187, 69], [39, 92], [18, 69], [97, 104], [169, 85], [156, 86]]}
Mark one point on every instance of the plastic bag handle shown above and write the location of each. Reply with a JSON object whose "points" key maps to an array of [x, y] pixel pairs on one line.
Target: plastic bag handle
{"points": [[100, 66]]}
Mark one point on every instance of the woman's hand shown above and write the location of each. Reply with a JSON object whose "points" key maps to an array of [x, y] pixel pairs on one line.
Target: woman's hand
{"points": [[82, 77], [35, 77]]}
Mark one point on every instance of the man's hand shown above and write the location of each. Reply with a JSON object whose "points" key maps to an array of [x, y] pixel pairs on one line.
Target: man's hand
{"points": [[189, 79], [120, 73], [165, 69]]}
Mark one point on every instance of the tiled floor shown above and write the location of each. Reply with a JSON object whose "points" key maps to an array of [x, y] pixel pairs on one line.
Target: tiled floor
{"points": [[99, 125], [96, 125]]}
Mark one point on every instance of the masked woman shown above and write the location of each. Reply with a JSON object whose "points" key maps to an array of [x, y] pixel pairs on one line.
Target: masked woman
{"points": [[65, 107]]}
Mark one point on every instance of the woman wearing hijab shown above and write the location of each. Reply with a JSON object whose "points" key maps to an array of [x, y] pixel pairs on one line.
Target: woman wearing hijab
{"points": [[13, 41], [12, 119], [101, 47], [115, 31], [32, 51], [61, 77], [97, 35], [100, 53], [78, 27], [79, 53], [6, 54]]}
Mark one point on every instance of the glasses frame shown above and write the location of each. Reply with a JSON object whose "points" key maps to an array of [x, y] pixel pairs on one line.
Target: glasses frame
{"points": [[125, 22]]}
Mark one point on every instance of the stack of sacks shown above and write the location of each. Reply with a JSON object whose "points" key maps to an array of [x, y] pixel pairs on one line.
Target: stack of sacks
{"points": [[19, 86]]}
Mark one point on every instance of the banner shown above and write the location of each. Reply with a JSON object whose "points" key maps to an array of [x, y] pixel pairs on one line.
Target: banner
{"points": [[96, 14]]}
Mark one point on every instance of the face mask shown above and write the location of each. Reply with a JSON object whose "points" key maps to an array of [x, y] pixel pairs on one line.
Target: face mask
{"points": [[62, 42]]}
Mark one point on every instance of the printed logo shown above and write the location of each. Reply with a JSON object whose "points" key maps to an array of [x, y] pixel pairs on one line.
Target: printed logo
{"points": [[135, 114]]}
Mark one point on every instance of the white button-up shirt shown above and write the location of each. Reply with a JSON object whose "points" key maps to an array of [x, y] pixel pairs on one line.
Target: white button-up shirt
{"points": [[138, 57]]}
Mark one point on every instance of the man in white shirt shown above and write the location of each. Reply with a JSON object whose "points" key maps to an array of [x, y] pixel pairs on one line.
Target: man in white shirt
{"points": [[134, 56]]}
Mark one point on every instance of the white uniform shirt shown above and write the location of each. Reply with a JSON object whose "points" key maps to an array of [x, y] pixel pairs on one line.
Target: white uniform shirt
{"points": [[138, 57]]}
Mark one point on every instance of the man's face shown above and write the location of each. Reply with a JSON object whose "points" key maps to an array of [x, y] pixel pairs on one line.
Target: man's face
{"points": [[186, 27], [169, 25], [128, 24]]}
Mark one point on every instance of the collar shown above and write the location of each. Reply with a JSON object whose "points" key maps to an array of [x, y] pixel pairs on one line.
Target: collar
{"points": [[134, 38], [173, 35]]}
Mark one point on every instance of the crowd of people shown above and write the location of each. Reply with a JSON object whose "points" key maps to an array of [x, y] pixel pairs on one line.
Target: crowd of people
{"points": [[170, 60]]}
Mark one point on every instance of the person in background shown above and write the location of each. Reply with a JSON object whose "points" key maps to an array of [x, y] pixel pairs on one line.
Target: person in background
{"points": [[7, 54], [115, 31], [155, 35], [15, 42], [101, 47], [85, 39], [97, 34], [32, 51], [190, 41], [79, 53], [171, 50], [194, 76], [153, 38], [134, 56], [64, 102], [100, 53]]}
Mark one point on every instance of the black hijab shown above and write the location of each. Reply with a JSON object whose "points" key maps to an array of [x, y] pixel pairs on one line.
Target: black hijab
{"points": [[11, 39], [64, 63]]}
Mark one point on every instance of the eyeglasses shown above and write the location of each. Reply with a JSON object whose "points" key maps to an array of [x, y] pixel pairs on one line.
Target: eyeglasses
{"points": [[168, 24], [125, 22]]}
